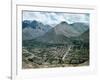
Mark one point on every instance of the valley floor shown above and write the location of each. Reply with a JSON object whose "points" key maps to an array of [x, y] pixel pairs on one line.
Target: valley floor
{"points": [[49, 57]]}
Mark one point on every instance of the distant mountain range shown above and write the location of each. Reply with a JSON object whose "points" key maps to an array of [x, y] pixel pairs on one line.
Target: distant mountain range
{"points": [[61, 33]]}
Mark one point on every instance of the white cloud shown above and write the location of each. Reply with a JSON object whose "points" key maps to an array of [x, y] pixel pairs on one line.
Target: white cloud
{"points": [[55, 18]]}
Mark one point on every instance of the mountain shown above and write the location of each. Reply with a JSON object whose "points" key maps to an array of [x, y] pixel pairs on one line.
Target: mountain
{"points": [[30, 33], [52, 37], [85, 36], [66, 29], [33, 29], [65, 33], [61, 33], [45, 33], [80, 27], [38, 25], [25, 23]]}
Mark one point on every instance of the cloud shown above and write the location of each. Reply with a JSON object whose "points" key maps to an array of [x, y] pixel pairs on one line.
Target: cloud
{"points": [[55, 17]]}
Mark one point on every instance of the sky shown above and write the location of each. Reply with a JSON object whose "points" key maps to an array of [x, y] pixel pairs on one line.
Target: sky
{"points": [[56, 17]]}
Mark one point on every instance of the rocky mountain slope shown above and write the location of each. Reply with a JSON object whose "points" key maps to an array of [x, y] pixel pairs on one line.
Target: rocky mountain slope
{"points": [[33, 29]]}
